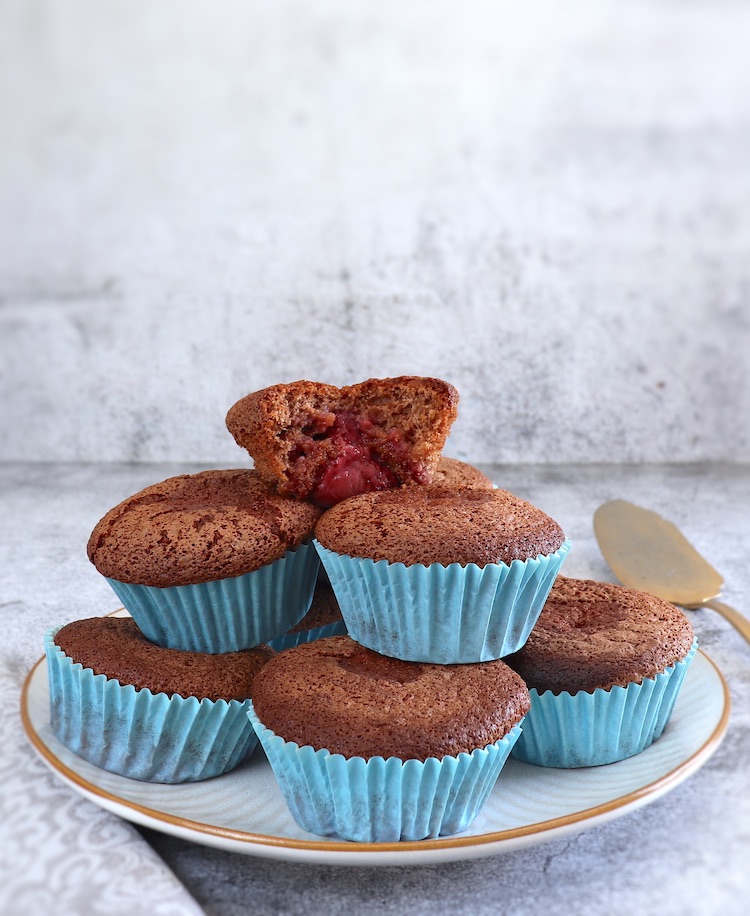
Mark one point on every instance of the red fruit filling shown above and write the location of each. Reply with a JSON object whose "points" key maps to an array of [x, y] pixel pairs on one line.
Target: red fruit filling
{"points": [[351, 473], [341, 455]]}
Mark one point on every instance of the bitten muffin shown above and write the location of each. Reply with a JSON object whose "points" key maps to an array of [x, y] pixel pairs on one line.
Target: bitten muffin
{"points": [[322, 443], [209, 562], [323, 619], [376, 749], [441, 575], [154, 714], [604, 664], [450, 472]]}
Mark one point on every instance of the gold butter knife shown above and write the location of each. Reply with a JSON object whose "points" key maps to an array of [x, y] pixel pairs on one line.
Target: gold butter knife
{"points": [[647, 552]]}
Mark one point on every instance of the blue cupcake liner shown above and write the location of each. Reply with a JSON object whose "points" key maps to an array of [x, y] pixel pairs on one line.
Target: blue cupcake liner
{"points": [[290, 640], [441, 614], [147, 736], [382, 800], [225, 615], [586, 729]]}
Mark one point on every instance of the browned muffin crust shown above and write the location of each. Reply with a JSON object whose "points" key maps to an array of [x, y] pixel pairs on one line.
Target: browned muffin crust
{"points": [[324, 610], [198, 528], [319, 442], [596, 634], [116, 648], [439, 525], [338, 695], [450, 472]]}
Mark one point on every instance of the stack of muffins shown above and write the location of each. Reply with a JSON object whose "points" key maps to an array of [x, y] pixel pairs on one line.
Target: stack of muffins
{"points": [[464, 645], [210, 566]]}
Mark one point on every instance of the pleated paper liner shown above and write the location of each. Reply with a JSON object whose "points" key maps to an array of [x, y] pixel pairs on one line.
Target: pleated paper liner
{"points": [[140, 734], [586, 729], [442, 614], [226, 615], [382, 800]]}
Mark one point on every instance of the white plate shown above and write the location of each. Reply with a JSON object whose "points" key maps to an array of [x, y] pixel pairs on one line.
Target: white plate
{"points": [[244, 811]]}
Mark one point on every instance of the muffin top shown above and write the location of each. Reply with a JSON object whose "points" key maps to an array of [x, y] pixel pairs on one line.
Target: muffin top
{"points": [[596, 634], [336, 694], [116, 648], [197, 528], [439, 525], [450, 472]]}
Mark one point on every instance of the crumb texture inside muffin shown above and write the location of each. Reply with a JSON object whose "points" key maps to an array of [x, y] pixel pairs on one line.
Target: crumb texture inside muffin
{"points": [[338, 695], [351, 455], [326, 444]]}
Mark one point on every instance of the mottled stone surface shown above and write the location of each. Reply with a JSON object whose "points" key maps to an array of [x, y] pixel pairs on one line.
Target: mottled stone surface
{"points": [[547, 205], [685, 854]]}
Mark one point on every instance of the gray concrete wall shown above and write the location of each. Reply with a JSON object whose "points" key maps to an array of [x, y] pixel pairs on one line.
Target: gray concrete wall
{"points": [[546, 203]]}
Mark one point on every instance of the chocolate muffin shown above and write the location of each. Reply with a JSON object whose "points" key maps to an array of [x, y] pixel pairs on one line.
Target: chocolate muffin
{"points": [[322, 443], [430, 574], [375, 749], [595, 634], [437, 525], [450, 472], [210, 562], [604, 665], [198, 527], [153, 714], [339, 695], [116, 648]]}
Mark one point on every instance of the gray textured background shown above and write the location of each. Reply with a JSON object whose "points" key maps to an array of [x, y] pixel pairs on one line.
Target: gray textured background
{"points": [[547, 204]]}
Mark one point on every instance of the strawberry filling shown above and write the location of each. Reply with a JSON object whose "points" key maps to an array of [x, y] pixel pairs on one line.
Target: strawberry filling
{"points": [[354, 471], [342, 455]]}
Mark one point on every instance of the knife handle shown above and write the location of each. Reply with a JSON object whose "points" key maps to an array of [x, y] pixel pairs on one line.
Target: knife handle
{"points": [[740, 623]]}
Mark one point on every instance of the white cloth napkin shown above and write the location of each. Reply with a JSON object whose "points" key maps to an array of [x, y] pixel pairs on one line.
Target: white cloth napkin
{"points": [[60, 852]]}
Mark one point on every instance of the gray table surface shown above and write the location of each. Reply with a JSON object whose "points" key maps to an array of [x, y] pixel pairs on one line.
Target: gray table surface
{"points": [[686, 853]]}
